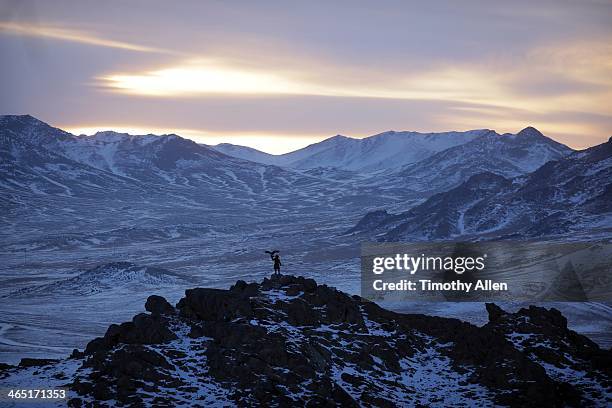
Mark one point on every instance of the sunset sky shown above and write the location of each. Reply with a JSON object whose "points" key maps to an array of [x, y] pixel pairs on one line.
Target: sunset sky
{"points": [[279, 75]]}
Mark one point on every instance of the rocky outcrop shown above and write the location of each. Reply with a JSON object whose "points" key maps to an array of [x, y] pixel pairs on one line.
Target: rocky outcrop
{"points": [[143, 329], [157, 305], [570, 359], [290, 342]]}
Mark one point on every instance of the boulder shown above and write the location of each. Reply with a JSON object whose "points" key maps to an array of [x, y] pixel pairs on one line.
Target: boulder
{"points": [[495, 312], [143, 329], [214, 304], [36, 362], [158, 305]]}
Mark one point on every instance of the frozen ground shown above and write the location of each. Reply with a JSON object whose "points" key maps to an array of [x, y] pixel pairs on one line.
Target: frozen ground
{"points": [[47, 307]]}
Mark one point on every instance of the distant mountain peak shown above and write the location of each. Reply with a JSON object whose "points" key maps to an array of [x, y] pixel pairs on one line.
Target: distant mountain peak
{"points": [[21, 120], [339, 137], [32, 130], [530, 131], [25, 117], [109, 133]]}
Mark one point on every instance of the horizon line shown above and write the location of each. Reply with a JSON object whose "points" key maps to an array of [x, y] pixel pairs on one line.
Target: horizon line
{"points": [[196, 135]]}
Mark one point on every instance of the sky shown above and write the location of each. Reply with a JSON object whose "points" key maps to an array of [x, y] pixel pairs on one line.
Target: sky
{"points": [[279, 75]]}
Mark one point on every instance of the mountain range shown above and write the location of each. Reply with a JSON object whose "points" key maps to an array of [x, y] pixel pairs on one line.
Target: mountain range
{"points": [[568, 195], [452, 184], [420, 163], [379, 152], [42, 159], [394, 150], [507, 155], [404, 161]]}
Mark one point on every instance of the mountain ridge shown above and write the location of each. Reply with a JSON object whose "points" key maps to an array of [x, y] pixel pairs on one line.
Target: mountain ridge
{"points": [[507, 155], [553, 199], [148, 159], [357, 154]]}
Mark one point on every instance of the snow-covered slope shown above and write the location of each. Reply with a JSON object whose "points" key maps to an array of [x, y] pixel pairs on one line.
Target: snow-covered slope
{"points": [[32, 130], [30, 167], [572, 194], [247, 153], [507, 155], [169, 160], [388, 150], [106, 277]]}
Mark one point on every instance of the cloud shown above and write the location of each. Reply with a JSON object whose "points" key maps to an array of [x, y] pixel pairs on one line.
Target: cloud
{"points": [[204, 78], [543, 79], [214, 77], [313, 69], [57, 33]]}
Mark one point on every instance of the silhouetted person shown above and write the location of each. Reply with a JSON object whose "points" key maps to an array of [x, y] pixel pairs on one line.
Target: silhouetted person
{"points": [[276, 259], [277, 263]]}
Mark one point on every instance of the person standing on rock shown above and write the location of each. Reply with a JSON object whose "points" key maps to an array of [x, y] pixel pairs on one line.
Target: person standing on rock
{"points": [[274, 255], [277, 263]]}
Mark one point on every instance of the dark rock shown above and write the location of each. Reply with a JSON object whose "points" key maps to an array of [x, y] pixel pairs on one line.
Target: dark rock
{"points": [[310, 285], [5, 366], [101, 392], [214, 305], [159, 305], [495, 312], [5, 369], [75, 403], [143, 329], [36, 362], [542, 316], [245, 289], [299, 313], [238, 286]]}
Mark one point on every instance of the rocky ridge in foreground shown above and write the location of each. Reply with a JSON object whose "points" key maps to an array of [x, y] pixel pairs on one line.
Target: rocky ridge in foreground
{"points": [[290, 342]]}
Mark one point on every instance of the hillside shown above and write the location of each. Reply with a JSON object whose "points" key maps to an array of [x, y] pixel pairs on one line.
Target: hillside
{"points": [[506, 155], [383, 151], [571, 194]]}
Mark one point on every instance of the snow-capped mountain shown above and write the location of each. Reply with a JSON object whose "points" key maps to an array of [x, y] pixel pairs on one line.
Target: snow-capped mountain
{"points": [[573, 193], [286, 159], [426, 162], [149, 159], [143, 157], [507, 155], [26, 165], [31, 130], [388, 150]]}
